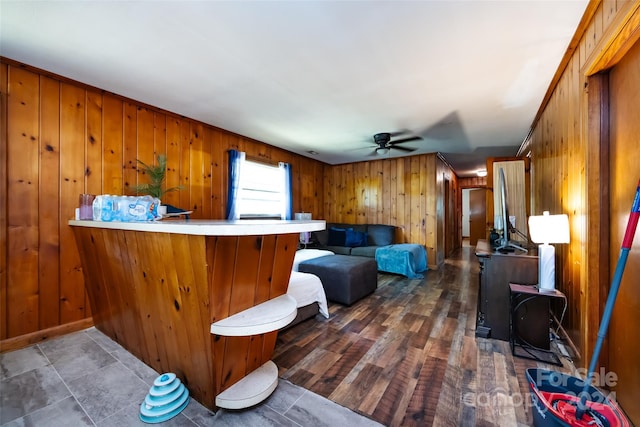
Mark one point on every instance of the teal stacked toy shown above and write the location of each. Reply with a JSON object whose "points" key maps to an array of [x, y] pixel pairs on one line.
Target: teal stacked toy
{"points": [[166, 399]]}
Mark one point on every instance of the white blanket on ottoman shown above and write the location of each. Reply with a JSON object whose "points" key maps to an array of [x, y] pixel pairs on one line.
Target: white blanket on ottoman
{"points": [[307, 254], [306, 289]]}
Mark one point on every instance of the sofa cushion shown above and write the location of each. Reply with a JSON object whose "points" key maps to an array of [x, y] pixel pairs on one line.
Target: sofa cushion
{"points": [[354, 227], [355, 238], [381, 235], [321, 237], [368, 251], [339, 250], [377, 235], [337, 236]]}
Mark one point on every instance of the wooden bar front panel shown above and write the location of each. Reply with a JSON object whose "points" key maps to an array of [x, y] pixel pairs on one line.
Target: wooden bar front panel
{"points": [[158, 293]]}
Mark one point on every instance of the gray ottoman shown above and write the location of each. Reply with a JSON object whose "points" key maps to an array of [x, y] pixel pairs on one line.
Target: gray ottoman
{"points": [[345, 278]]}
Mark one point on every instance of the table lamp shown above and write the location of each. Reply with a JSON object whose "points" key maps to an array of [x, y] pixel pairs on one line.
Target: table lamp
{"points": [[546, 229]]}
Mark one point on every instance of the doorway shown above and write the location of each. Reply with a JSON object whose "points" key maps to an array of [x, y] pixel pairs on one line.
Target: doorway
{"points": [[449, 219], [474, 214]]}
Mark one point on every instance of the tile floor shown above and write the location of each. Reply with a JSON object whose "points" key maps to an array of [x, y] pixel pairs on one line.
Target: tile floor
{"points": [[86, 379]]}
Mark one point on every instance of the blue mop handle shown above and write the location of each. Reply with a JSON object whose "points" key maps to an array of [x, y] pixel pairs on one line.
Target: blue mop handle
{"points": [[611, 299]]}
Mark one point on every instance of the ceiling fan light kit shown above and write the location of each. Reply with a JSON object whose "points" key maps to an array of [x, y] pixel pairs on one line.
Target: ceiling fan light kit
{"points": [[384, 143]]}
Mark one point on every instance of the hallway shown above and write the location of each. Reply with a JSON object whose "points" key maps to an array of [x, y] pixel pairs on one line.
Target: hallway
{"points": [[408, 355]]}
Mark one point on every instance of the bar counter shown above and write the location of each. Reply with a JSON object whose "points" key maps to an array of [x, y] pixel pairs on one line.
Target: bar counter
{"points": [[158, 288]]}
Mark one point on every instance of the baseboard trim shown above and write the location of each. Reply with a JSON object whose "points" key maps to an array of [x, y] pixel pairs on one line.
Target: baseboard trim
{"points": [[16, 343]]}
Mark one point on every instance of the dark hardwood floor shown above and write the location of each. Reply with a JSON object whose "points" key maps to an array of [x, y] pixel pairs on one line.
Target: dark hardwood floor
{"points": [[408, 355]]}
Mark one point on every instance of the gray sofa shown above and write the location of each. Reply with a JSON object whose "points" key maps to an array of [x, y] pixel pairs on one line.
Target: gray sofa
{"points": [[354, 239]]}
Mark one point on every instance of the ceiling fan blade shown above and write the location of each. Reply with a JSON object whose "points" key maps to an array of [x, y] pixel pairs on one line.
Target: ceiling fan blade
{"points": [[399, 132], [402, 148], [408, 139]]}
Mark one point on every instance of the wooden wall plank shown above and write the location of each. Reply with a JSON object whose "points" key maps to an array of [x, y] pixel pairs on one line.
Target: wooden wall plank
{"points": [[173, 160], [4, 71], [472, 182], [218, 176], [22, 202], [423, 208], [415, 181], [72, 167], [185, 166], [393, 193], [130, 147], [361, 194], [400, 200], [207, 139], [145, 143], [93, 144], [265, 268], [93, 154], [349, 199], [159, 133], [49, 198], [243, 292], [112, 156], [385, 194], [224, 249], [196, 308], [286, 244], [435, 202], [196, 170]]}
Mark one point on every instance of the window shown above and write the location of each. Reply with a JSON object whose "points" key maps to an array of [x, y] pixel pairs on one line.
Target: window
{"points": [[262, 190]]}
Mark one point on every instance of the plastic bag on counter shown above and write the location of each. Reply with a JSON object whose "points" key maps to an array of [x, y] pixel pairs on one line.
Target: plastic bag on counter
{"points": [[125, 208]]}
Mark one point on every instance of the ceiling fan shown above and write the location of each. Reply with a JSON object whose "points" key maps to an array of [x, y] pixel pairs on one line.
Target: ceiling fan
{"points": [[384, 143]]}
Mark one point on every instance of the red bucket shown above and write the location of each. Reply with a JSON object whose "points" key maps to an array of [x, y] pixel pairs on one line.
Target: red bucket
{"points": [[555, 398]]}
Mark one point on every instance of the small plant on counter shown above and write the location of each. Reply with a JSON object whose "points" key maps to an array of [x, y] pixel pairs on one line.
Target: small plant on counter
{"points": [[157, 174]]}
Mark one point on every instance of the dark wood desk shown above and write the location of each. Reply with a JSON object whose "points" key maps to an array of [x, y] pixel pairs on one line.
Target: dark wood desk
{"points": [[497, 270]]}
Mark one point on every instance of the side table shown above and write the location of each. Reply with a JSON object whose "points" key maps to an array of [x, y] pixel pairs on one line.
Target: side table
{"points": [[530, 321]]}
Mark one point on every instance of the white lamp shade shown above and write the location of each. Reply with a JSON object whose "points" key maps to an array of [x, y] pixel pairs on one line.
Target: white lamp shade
{"points": [[547, 228]]}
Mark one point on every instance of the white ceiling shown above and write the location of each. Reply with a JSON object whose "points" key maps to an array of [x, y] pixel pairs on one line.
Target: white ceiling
{"points": [[467, 76]]}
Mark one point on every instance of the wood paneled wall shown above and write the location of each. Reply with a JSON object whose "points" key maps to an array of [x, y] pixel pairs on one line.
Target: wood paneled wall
{"points": [[61, 138], [408, 192], [472, 182], [567, 172]]}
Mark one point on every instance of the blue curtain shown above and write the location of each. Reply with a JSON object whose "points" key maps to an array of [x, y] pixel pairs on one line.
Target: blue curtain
{"points": [[287, 209], [236, 158]]}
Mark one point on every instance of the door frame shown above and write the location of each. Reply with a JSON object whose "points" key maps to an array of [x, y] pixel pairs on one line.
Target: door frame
{"points": [[619, 39], [468, 183]]}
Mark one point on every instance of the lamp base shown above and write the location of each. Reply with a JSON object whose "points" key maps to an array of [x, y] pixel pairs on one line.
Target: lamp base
{"points": [[546, 267]]}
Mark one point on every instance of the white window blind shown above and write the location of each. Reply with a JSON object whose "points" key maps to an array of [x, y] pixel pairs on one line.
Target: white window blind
{"points": [[261, 190]]}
